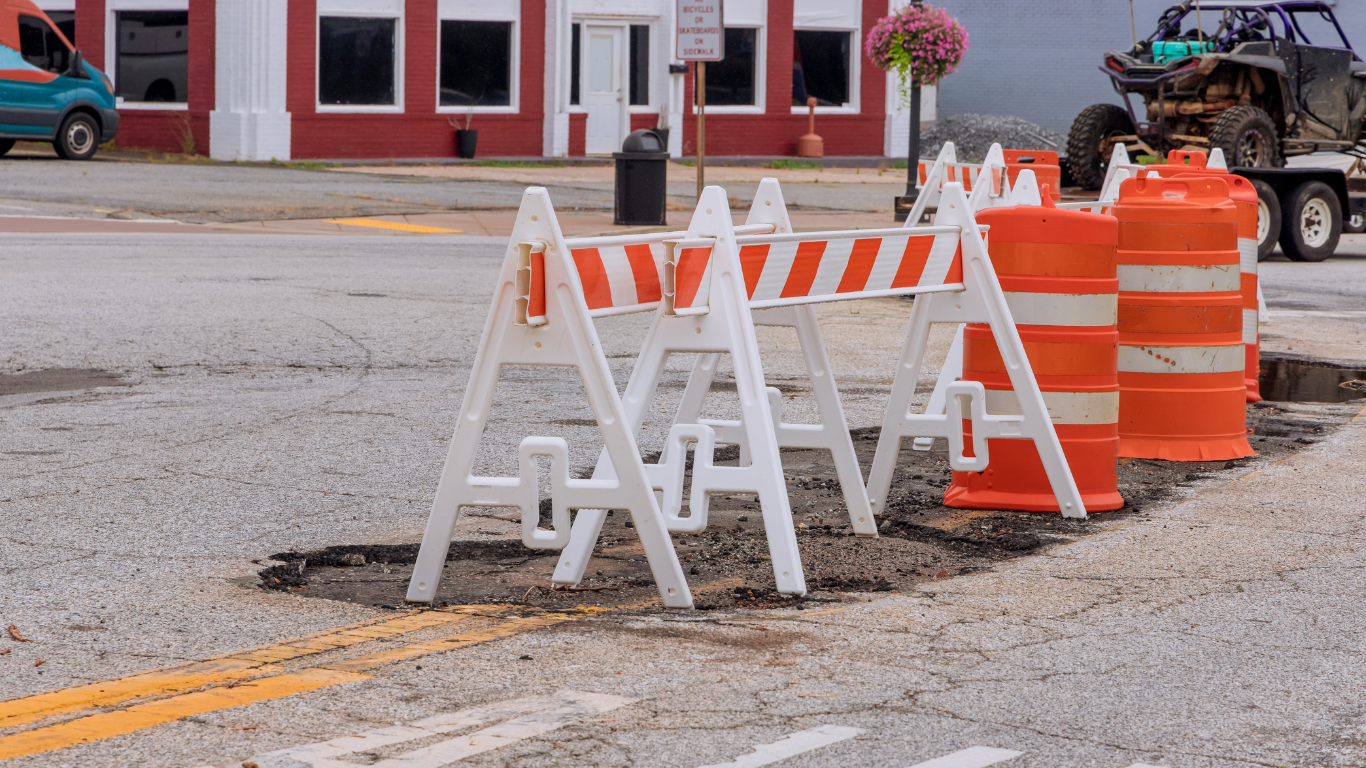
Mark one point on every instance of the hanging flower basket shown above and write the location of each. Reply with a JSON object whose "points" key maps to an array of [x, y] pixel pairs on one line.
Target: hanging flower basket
{"points": [[922, 44]]}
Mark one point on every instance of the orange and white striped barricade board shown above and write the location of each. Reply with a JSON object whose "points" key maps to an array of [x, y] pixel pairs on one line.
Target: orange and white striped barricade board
{"points": [[832, 433], [946, 169], [540, 316], [979, 299]]}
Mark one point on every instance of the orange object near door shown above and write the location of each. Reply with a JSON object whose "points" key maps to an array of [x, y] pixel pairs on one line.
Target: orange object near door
{"points": [[1044, 164], [1057, 269], [1181, 360]]}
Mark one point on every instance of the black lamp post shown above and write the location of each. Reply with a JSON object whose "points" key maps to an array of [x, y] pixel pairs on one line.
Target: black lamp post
{"points": [[906, 202]]}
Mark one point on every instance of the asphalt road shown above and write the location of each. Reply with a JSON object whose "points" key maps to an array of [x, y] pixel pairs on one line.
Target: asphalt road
{"points": [[276, 393]]}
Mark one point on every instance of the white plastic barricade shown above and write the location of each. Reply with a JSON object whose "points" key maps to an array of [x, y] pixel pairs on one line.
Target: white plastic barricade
{"points": [[540, 316], [832, 433], [986, 181], [980, 300], [703, 309]]}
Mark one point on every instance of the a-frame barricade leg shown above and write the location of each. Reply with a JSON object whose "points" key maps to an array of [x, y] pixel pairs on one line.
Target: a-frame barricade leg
{"points": [[710, 316], [981, 301], [563, 335], [832, 433]]}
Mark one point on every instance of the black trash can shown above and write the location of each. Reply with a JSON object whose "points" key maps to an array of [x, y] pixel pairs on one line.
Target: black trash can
{"points": [[642, 183]]}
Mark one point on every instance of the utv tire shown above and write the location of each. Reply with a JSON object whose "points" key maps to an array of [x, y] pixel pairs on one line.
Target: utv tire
{"points": [[5, 146], [1268, 219], [78, 139], [1311, 222], [1090, 142], [1248, 137]]}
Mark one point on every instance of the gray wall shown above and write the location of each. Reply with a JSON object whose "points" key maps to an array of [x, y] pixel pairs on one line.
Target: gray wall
{"points": [[1038, 59]]}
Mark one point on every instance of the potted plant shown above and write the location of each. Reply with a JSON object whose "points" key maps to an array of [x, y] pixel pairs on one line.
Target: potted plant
{"points": [[922, 44], [466, 140]]}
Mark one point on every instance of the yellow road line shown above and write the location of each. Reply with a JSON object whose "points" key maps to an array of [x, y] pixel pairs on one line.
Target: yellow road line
{"points": [[141, 716], [239, 665], [272, 686], [396, 225]]}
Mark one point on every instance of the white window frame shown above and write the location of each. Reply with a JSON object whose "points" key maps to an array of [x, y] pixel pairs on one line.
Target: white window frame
{"points": [[362, 9], [55, 5], [111, 47], [651, 106], [760, 76], [445, 13], [854, 105]]}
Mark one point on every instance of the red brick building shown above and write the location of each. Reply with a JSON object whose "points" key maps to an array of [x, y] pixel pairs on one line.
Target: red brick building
{"points": [[291, 79]]}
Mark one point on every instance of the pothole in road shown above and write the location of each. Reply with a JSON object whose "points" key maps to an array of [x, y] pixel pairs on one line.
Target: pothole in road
{"points": [[57, 380], [728, 564], [1310, 381]]}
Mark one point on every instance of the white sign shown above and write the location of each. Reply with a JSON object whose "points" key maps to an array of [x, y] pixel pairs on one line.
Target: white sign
{"points": [[701, 36]]}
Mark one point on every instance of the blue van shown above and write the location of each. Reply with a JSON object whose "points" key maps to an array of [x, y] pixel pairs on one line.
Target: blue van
{"points": [[47, 93]]}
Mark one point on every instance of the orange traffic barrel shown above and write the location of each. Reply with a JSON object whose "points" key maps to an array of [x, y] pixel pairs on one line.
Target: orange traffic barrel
{"points": [[1244, 197], [1043, 163], [1181, 361], [1057, 269]]}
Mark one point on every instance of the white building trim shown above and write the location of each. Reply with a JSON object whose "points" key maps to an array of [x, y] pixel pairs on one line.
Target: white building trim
{"points": [[250, 120]]}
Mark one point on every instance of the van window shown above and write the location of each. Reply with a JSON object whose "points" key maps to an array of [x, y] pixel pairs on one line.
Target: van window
{"points": [[40, 45]]}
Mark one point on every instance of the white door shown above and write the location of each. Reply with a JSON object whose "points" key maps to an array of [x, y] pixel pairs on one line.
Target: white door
{"points": [[604, 94]]}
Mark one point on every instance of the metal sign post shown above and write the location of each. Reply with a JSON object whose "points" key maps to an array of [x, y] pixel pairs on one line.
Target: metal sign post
{"points": [[701, 38]]}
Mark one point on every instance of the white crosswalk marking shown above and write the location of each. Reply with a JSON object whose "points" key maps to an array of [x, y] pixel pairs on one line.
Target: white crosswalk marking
{"points": [[972, 757], [1145, 765], [530, 717], [792, 744]]}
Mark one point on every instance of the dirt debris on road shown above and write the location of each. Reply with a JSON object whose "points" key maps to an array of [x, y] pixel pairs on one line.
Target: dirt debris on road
{"points": [[728, 564]]}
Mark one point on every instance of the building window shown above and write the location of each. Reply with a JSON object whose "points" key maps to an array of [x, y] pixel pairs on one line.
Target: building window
{"points": [[574, 53], [41, 46], [640, 65], [476, 63], [730, 82], [820, 67], [152, 60], [66, 23], [357, 63]]}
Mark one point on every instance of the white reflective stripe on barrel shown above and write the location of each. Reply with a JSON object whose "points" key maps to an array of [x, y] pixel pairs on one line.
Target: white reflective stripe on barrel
{"points": [[1249, 326], [1076, 309], [1247, 255], [1165, 278], [1214, 359], [1063, 407]]}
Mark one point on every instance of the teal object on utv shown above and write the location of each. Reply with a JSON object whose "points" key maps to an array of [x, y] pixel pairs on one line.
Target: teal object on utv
{"points": [[47, 92]]}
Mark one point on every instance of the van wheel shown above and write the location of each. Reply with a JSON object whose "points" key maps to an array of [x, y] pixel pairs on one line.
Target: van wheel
{"points": [[78, 139], [5, 146], [1268, 219], [1311, 222]]}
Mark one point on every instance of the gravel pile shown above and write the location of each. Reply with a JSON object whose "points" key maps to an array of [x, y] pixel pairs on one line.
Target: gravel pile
{"points": [[973, 135]]}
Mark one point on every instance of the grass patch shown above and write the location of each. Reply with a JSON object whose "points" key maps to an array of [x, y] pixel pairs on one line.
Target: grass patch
{"points": [[795, 165], [901, 164], [515, 164], [303, 165], [685, 162], [1150, 160]]}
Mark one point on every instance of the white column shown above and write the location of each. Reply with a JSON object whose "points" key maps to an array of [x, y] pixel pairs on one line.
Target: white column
{"points": [[555, 141], [250, 120], [899, 118]]}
